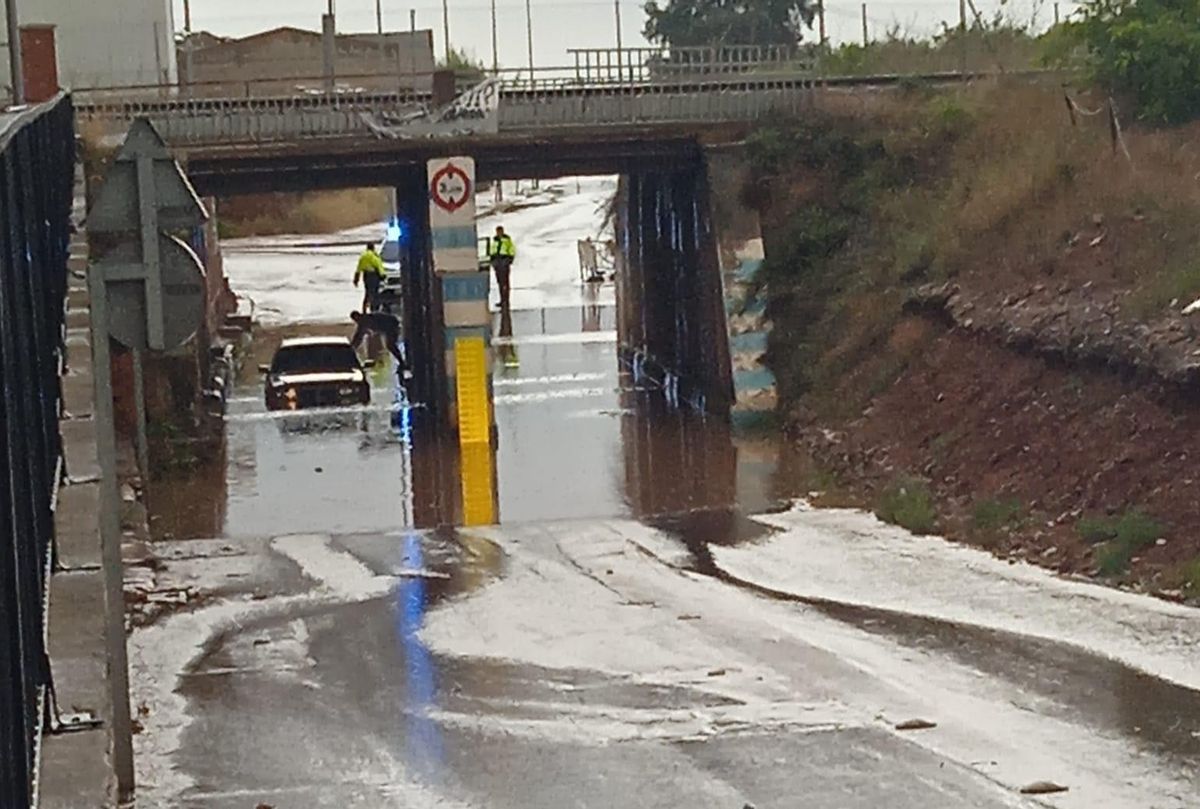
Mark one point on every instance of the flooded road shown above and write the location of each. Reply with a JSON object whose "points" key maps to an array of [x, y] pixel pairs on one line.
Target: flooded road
{"points": [[648, 624]]}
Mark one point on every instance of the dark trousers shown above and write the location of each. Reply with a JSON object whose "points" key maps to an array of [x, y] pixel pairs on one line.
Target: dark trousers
{"points": [[371, 284], [385, 325], [502, 265]]}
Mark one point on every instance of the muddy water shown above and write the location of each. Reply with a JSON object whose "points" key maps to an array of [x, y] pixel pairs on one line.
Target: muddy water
{"points": [[577, 439]]}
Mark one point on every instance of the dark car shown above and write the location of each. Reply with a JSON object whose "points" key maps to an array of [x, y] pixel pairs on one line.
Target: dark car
{"points": [[315, 372]]}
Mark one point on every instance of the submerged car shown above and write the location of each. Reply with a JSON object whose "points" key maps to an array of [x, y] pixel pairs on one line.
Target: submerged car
{"points": [[315, 372]]}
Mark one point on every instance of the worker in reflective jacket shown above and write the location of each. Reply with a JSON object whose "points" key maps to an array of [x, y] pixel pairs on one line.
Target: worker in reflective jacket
{"points": [[503, 251], [372, 272]]}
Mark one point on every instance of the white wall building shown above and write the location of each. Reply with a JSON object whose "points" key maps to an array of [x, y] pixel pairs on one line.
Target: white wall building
{"points": [[104, 43]]}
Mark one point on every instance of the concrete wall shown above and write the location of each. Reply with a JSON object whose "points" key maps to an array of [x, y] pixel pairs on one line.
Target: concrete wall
{"points": [[285, 59], [105, 43], [740, 245]]}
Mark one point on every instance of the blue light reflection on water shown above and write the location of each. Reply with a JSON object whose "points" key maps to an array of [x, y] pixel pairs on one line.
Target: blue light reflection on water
{"points": [[423, 737]]}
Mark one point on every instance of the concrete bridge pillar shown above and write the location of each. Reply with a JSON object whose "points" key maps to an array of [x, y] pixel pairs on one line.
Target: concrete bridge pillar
{"points": [[424, 329], [671, 319]]}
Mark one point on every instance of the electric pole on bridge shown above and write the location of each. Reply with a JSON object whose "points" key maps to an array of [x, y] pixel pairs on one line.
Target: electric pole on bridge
{"points": [[620, 58], [495, 43]]}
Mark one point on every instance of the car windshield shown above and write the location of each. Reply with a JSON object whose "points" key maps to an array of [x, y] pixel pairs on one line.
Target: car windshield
{"points": [[390, 251], [314, 359]]}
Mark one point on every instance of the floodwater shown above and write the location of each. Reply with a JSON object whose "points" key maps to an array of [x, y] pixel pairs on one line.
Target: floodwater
{"points": [[647, 624], [577, 437]]}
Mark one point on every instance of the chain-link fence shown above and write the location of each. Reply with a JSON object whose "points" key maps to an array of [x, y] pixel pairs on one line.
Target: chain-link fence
{"points": [[37, 159]]}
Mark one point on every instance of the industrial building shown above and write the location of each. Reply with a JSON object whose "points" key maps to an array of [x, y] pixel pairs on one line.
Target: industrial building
{"points": [[103, 43]]}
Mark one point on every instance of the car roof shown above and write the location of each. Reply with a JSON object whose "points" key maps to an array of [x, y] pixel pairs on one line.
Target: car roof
{"points": [[297, 342]]}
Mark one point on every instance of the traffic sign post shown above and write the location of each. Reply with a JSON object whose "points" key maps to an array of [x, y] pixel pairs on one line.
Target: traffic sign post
{"points": [[451, 183], [147, 293]]}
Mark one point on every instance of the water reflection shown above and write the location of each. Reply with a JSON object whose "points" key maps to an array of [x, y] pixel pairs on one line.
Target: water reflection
{"points": [[575, 439], [506, 351], [423, 737]]}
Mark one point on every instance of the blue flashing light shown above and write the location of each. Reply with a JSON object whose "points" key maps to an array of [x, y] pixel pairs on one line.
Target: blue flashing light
{"points": [[396, 231]]}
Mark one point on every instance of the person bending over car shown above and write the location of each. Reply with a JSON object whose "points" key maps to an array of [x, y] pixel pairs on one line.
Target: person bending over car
{"points": [[383, 324]]}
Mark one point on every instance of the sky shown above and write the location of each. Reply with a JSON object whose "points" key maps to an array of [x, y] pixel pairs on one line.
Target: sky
{"points": [[557, 24]]}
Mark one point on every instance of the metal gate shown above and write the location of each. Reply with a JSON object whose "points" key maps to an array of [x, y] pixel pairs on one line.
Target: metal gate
{"points": [[37, 169]]}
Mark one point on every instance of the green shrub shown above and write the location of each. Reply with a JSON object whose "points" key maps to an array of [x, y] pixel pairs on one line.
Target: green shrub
{"points": [[908, 503], [1190, 578], [1149, 49], [1096, 529], [1120, 538], [996, 514]]}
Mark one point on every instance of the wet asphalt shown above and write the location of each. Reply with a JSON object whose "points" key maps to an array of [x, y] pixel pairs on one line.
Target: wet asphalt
{"points": [[348, 645]]}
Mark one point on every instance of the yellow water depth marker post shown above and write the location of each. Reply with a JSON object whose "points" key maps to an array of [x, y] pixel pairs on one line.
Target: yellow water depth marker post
{"points": [[474, 430]]}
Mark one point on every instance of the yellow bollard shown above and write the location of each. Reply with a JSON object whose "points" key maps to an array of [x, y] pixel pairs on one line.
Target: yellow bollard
{"points": [[474, 431]]}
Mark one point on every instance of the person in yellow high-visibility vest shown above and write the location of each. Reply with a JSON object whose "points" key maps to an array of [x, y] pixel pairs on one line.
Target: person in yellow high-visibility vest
{"points": [[372, 272], [503, 253]]}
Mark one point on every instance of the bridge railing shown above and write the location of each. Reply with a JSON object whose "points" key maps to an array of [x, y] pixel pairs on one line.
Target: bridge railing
{"points": [[648, 65], [714, 101], [37, 170], [522, 106]]}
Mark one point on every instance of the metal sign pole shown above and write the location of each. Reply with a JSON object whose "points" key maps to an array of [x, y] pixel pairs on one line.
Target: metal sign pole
{"points": [[156, 286], [110, 538], [141, 443]]}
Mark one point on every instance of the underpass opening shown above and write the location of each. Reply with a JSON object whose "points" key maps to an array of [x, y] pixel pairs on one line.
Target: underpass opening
{"points": [[602, 392]]}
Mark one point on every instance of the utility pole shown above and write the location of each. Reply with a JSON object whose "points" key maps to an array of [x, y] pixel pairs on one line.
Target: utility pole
{"points": [[495, 42], [412, 48], [821, 22], [962, 35], [187, 42], [620, 47], [16, 69], [866, 34], [1056, 18], [529, 37], [446, 28], [379, 17], [329, 41]]}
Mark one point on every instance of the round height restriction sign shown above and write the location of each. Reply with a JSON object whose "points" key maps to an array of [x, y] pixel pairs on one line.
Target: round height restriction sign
{"points": [[450, 188]]}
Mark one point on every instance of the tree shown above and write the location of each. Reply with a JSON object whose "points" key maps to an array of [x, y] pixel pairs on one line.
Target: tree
{"points": [[1149, 49], [463, 63], [728, 22]]}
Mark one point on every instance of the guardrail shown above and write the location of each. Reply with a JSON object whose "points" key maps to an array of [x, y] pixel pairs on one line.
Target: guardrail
{"points": [[521, 107], [37, 170], [543, 103]]}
